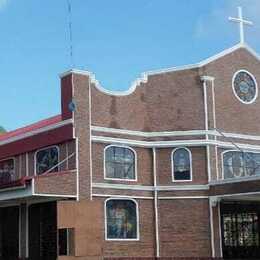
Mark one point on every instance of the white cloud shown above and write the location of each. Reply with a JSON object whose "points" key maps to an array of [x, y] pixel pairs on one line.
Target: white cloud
{"points": [[215, 25]]}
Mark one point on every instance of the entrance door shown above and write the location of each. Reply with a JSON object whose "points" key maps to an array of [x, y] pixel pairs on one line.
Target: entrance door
{"points": [[240, 230], [9, 233], [43, 231]]}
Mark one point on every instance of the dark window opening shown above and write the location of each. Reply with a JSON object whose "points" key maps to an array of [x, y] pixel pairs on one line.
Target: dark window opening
{"points": [[66, 238], [46, 160], [7, 173]]}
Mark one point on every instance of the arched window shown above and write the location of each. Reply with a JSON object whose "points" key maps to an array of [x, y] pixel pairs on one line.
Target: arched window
{"points": [[121, 219], [238, 164], [120, 163], [46, 159], [181, 164]]}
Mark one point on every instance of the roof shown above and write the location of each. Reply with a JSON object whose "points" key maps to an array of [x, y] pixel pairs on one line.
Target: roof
{"points": [[29, 128]]}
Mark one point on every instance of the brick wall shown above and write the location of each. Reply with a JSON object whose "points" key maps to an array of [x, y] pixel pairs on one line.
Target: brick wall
{"points": [[167, 102]]}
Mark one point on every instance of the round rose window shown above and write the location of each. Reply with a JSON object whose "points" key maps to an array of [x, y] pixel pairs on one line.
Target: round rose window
{"points": [[245, 86]]}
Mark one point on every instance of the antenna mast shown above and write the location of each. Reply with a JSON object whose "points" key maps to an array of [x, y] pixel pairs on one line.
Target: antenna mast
{"points": [[70, 34]]}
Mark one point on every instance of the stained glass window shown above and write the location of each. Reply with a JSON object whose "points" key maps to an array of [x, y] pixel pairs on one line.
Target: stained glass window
{"points": [[245, 86], [121, 219], [241, 164], [46, 159], [119, 163], [7, 173], [181, 164]]}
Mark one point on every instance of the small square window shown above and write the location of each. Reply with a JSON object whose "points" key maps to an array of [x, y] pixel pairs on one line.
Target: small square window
{"points": [[66, 241]]}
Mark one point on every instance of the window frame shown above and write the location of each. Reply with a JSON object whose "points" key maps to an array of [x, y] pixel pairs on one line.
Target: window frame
{"points": [[135, 163], [14, 160], [137, 220], [223, 166], [233, 86], [41, 149], [172, 164]]}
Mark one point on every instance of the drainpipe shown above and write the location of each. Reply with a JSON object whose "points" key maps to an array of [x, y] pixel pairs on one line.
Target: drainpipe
{"points": [[157, 238]]}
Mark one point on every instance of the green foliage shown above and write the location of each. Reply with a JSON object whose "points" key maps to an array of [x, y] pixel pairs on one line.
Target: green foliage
{"points": [[2, 130]]}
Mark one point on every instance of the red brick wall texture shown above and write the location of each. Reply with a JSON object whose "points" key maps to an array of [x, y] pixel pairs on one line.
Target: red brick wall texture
{"points": [[169, 101]]}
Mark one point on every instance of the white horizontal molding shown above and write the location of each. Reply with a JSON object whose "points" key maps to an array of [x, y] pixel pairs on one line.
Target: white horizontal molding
{"points": [[121, 196], [122, 186], [173, 133], [235, 195], [149, 188], [146, 144], [182, 187], [147, 197], [240, 136], [37, 131], [235, 180], [182, 197], [54, 195], [147, 134], [165, 144]]}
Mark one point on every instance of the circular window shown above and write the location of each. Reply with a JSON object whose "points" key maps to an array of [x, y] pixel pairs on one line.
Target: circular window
{"points": [[245, 87]]}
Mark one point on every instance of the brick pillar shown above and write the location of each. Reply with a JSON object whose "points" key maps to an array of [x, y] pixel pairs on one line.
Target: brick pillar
{"points": [[66, 95], [216, 219], [75, 85]]}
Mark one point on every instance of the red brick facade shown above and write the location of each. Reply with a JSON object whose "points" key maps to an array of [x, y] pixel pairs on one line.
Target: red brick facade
{"points": [[166, 110]]}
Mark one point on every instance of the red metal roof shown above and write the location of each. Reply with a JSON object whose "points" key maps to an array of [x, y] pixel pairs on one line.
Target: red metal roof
{"points": [[32, 127]]}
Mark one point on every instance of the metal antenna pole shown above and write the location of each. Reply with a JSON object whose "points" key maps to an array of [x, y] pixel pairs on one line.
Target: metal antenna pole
{"points": [[70, 34]]}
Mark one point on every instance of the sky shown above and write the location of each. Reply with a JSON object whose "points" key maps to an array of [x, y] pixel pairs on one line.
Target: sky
{"points": [[116, 40]]}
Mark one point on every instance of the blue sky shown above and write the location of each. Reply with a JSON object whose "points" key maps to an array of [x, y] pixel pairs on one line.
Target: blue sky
{"points": [[117, 40]]}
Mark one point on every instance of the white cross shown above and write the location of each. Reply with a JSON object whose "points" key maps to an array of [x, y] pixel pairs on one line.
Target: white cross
{"points": [[241, 22]]}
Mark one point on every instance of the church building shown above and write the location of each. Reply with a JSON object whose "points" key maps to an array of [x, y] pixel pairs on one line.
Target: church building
{"points": [[168, 168]]}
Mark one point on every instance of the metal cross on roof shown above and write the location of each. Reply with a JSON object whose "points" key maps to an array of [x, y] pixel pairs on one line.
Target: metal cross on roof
{"points": [[242, 22]]}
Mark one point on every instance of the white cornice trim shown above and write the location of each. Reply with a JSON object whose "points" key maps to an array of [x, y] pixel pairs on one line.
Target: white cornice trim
{"points": [[235, 180], [241, 136], [146, 144], [183, 187], [182, 197], [173, 133], [122, 186], [235, 195], [121, 196], [165, 144], [206, 61], [147, 134], [144, 76], [142, 79], [54, 195], [74, 71], [150, 188], [35, 132], [147, 197]]}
